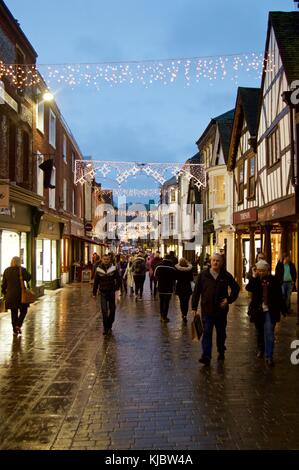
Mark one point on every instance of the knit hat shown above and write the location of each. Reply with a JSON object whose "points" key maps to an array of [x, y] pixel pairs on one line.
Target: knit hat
{"points": [[263, 265]]}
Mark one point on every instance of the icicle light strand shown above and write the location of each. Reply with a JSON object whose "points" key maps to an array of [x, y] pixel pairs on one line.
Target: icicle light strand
{"points": [[144, 73]]}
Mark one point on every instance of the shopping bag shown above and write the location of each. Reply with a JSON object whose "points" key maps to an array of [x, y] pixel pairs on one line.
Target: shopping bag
{"points": [[28, 296], [196, 328]]}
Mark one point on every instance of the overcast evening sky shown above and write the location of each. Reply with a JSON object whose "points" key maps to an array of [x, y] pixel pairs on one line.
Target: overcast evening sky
{"points": [[133, 123]]}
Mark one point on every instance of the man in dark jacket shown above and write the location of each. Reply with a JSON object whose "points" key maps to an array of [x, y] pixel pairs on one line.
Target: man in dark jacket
{"points": [[212, 288], [171, 256], [153, 264], [165, 274], [266, 306], [286, 273], [139, 273], [107, 281]]}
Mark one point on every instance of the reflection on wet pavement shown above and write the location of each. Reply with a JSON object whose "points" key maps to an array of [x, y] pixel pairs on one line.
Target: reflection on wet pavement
{"points": [[66, 386]]}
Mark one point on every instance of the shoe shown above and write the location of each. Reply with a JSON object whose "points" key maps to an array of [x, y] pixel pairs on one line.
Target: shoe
{"points": [[221, 357], [136, 298], [204, 360], [270, 362]]}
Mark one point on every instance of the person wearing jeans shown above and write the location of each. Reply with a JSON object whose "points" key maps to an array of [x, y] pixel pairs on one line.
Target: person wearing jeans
{"points": [[267, 304], [107, 302], [107, 281], [211, 288], [286, 272]]}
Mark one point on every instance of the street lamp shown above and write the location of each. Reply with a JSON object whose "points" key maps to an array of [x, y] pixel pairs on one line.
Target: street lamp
{"points": [[48, 96]]}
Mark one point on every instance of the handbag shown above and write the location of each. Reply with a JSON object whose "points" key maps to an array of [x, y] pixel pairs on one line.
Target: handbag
{"points": [[255, 312], [196, 327], [28, 296]]}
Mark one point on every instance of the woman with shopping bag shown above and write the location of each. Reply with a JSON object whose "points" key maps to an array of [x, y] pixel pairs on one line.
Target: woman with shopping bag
{"points": [[13, 288]]}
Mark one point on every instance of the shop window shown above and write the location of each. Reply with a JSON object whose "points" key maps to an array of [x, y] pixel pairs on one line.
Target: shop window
{"points": [[64, 255], [12, 244], [240, 183], [46, 260], [273, 147], [251, 177], [23, 248], [53, 259]]}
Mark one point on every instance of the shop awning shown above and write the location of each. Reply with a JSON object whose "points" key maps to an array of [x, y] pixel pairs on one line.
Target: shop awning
{"points": [[89, 240]]}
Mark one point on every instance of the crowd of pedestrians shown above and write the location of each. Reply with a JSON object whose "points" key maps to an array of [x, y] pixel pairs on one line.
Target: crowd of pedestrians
{"points": [[214, 288]]}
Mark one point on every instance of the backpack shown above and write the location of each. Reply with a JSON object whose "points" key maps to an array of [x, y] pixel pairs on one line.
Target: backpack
{"points": [[139, 267]]}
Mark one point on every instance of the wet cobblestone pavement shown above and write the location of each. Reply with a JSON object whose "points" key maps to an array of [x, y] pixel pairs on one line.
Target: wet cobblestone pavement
{"points": [[66, 386]]}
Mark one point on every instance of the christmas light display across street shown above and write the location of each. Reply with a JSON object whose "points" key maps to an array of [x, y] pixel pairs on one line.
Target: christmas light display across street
{"points": [[131, 192], [143, 72], [87, 170]]}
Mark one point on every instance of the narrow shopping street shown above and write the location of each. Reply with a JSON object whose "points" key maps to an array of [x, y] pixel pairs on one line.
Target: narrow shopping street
{"points": [[66, 386]]}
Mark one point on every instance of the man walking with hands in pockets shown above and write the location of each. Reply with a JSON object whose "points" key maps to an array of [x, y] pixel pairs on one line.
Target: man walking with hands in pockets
{"points": [[212, 289], [106, 281]]}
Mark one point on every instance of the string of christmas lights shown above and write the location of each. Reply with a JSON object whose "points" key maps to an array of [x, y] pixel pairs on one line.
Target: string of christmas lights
{"points": [[86, 170], [146, 72], [131, 192]]}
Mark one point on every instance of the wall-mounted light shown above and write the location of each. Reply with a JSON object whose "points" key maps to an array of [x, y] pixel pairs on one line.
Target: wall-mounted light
{"points": [[44, 96], [48, 96]]}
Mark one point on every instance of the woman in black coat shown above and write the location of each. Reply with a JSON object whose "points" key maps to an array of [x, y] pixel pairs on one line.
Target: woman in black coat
{"points": [[265, 308], [183, 289], [12, 291]]}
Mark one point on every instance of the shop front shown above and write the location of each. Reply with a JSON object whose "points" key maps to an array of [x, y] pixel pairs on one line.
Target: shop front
{"points": [[15, 235], [65, 255], [13, 243], [279, 230], [47, 253], [247, 242]]}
